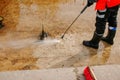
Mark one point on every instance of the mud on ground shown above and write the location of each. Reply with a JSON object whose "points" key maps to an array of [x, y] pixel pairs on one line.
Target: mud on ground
{"points": [[21, 49]]}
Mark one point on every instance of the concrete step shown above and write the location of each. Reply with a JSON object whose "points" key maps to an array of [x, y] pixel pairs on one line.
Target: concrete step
{"points": [[46, 74], [104, 72], [107, 72]]}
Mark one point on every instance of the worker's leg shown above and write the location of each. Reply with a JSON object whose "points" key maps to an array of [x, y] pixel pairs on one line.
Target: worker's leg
{"points": [[100, 27], [112, 20]]}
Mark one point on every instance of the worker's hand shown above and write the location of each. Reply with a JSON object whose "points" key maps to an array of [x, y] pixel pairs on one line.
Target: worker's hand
{"points": [[90, 2]]}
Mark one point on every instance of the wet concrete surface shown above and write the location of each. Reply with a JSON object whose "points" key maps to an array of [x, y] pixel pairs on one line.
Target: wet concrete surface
{"points": [[21, 49]]}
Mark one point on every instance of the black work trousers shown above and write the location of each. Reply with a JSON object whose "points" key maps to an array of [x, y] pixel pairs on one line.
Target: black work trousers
{"points": [[107, 15]]}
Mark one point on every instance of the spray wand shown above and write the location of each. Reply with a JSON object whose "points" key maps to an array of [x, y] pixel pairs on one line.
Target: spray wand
{"points": [[74, 21]]}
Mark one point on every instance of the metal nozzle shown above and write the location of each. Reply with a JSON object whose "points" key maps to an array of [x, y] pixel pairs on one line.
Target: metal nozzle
{"points": [[62, 36]]}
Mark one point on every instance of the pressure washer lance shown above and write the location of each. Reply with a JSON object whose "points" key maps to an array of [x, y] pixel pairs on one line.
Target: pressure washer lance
{"points": [[43, 34], [74, 21]]}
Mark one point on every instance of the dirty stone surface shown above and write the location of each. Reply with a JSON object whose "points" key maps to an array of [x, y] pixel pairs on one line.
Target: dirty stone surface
{"points": [[104, 72], [21, 49], [45, 74]]}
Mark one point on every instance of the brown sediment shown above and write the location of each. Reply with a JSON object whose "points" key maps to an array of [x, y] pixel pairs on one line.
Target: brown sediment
{"points": [[10, 12], [21, 59], [20, 48], [11, 60]]}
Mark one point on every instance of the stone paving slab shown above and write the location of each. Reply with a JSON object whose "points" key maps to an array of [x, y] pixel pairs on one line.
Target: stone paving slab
{"points": [[104, 72], [108, 72], [48, 74]]}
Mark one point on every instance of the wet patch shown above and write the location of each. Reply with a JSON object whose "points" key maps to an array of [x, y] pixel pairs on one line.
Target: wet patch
{"points": [[22, 49]]}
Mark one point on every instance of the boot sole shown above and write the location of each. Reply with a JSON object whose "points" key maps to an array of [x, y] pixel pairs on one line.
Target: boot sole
{"points": [[89, 45]]}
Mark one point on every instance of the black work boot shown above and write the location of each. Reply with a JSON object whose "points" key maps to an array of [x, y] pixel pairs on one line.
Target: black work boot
{"points": [[94, 42], [110, 36]]}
